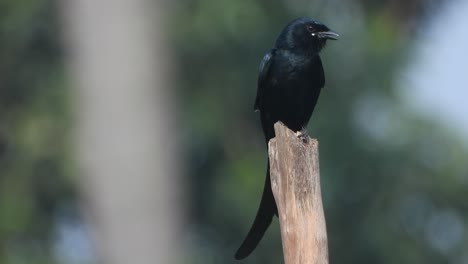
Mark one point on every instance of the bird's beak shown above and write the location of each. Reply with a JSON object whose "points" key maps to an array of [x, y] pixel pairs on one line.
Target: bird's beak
{"points": [[328, 35]]}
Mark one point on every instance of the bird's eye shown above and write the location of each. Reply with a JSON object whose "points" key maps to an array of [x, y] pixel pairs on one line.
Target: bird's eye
{"points": [[310, 28]]}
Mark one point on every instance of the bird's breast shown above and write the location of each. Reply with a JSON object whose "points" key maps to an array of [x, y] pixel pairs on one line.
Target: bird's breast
{"points": [[293, 91]]}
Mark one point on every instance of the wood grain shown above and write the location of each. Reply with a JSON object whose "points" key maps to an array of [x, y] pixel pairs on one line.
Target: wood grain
{"points": [[295, 181]]}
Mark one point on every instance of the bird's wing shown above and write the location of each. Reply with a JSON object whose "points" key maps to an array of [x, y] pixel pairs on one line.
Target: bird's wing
{"points": [[264, 70]]}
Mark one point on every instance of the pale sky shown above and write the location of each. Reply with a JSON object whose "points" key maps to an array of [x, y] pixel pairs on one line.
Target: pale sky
{"points": [[435, 83]]}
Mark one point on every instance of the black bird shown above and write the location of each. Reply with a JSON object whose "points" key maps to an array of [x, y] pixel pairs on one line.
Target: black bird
{"points": [[289, 83]]}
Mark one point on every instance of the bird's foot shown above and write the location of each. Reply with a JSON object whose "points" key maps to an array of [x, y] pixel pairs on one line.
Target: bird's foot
{"points": [[302, 135]]}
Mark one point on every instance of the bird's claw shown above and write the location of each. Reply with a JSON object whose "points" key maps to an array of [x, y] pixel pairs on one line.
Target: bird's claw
{"points": [[302, 135]]}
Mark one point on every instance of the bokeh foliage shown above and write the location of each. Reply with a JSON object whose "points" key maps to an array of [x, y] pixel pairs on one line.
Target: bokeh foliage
{"points": [[34, 123], [393, 183]]}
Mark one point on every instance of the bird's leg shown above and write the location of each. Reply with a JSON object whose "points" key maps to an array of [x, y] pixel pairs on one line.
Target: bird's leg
{"points": [[302, 135]]}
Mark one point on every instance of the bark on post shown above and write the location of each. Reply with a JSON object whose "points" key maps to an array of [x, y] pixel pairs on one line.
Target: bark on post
{"points": [[295, 181]]}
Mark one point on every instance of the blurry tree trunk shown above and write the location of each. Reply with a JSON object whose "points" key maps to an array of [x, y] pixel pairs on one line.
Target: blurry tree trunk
{"points": [[125, 132], [295, 181]]}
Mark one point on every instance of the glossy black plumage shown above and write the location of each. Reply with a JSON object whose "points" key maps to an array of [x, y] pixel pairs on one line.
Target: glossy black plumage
{"points": [[289, 83]]}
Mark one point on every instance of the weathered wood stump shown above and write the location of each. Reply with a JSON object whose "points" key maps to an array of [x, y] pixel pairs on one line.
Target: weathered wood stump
{"points": [[295, 181]]}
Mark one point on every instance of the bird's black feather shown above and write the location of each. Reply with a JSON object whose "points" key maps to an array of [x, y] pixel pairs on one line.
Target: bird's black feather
{"points": [[263, 75]]}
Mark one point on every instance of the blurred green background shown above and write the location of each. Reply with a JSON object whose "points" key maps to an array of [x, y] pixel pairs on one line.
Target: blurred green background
{"points": [[393, 180]]}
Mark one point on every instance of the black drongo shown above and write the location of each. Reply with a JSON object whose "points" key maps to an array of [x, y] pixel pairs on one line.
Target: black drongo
{"points": [[289, 83]]}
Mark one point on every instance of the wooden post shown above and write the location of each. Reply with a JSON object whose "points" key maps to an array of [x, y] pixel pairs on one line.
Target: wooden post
{"points": [[295, 181]]}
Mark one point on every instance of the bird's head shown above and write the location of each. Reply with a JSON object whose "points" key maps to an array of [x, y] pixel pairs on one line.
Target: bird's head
{"points": [[305, 35]]}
